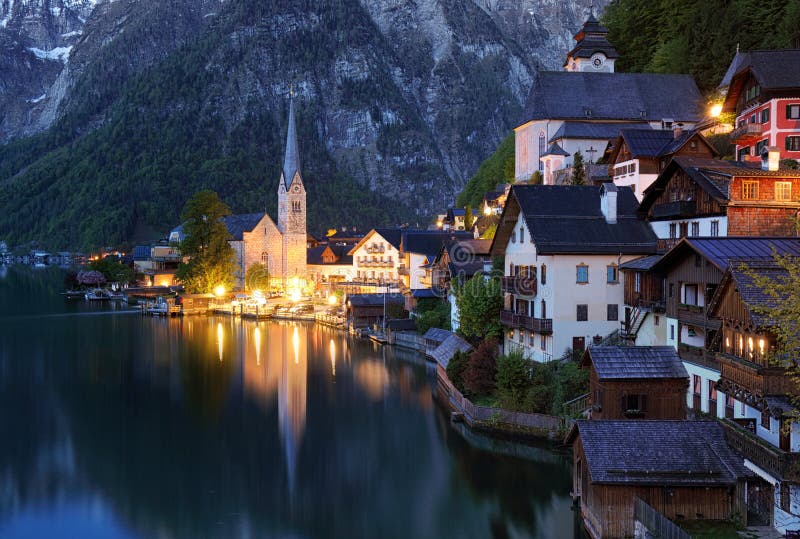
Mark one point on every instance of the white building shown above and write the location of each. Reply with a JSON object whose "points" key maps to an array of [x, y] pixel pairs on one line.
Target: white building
{"points": [[376, 258], [585, 106], [563, 246]]}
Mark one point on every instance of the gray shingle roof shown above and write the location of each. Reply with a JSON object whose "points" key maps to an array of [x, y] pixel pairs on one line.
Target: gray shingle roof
{"points": [[568, 219], [237, 225], [642, 264], [445, 351], [291, 160], [646, 142], [613, 96], [141, 252], [437, 335], [374, 300], [594, 130], [663, 453], [720, 251], [751, 293], [625, 362], [429, 242], [773, 69], [555, 149]]}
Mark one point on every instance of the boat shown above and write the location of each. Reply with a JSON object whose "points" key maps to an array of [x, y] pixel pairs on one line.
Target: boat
{"points": [[98, 294], [74, 294]]}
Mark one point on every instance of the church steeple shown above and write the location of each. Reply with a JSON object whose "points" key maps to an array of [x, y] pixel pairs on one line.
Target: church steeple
{"points": [[291, 161], [593, 51]]}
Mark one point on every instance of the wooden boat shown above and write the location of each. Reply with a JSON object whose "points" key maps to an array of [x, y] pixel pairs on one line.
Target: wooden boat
{"points": [[98, 294], [74, 294]]}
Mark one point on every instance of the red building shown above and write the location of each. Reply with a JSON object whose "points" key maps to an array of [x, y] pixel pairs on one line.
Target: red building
{"points": [[764, 93]]}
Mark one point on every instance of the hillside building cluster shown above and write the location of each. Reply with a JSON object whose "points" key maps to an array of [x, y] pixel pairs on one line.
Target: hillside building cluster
{"points": [[688, 415]]}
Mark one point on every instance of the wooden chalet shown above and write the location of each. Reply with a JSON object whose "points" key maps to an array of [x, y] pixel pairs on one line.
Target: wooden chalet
{"points": [[708, 197], [363, 310], [635, 382], [459, 261], [644, 298], [683, 469]]}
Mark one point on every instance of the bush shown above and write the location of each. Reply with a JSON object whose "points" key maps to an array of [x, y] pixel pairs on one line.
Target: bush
{"points": [[455, 370], [513, 380], [435, 315], [479, 377]]}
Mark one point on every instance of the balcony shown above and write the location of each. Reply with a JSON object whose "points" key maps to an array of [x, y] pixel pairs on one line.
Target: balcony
{"points": [[520, 321], [522, 286], [402, 270], [375, 249], [766, 456], [679, 208], [746, 134], [695, 315], [698, 356], [755, 379]]}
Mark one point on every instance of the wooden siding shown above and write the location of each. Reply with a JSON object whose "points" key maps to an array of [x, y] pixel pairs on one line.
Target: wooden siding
{"points": [[650, 291], [608, 510], [666, 397], [687, 271], [682, 187]]}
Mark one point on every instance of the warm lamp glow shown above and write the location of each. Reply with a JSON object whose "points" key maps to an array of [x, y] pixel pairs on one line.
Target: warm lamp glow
{"points": [[296, 345], [487, 210], [716, 110], [439, 224], [258, 346], [332, 300], [219, 291], [219, 339], [332, 347]]}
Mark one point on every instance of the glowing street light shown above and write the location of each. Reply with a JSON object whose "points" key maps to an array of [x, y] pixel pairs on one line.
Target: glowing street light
{"points": [[219, 291], [716, 110], [332, 300]]}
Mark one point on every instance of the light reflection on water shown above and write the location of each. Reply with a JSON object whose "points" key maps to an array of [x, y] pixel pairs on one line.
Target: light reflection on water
{"points": [[130, 427]]}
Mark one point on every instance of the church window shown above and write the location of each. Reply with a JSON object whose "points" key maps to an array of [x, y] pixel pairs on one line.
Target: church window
{"points": [[296, 206], [265, 259], [541, 148]]}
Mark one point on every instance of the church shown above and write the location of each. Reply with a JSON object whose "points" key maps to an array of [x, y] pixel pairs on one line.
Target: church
{"points": [[280, 246], [584, 107]]}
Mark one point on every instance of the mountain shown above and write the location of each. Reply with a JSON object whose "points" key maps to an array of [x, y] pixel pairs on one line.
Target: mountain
{"points": [[114, 112]]}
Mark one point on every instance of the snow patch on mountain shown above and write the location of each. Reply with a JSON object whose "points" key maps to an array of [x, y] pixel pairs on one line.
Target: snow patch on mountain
{"points": [[60, 54]]}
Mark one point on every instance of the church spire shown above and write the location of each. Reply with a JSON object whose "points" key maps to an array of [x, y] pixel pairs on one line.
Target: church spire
{"points": [[291, 161]]}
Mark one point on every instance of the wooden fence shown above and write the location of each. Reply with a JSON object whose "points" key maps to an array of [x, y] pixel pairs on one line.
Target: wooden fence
{"points": [[656, 524], [496, 419]]}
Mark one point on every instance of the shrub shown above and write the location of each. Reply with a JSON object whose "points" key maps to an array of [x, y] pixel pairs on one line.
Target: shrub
{"points": [[479, 377], [455, 369], [436, 315], [513, 380]]}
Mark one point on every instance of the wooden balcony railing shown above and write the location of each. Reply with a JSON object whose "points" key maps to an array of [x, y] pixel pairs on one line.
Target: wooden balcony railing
{"points": [[679, 208], [746, 133], [695, 315], [766, 456], [522, 286], [756, 379], [402, 270], [698, 356], [521, 321]]}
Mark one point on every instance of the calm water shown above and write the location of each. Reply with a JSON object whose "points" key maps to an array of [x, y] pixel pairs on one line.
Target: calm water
{"points": [[117, 426]]}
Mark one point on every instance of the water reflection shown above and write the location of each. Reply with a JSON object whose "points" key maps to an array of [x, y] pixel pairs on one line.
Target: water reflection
{"points": [[204, 427]]}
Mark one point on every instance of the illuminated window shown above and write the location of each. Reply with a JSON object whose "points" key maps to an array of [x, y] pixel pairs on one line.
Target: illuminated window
{"points": [[749, 190], [783, 191]]}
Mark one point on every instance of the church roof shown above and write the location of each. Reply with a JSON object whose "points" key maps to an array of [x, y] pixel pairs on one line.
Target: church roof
{"points": [[291, 161], [239, 224], [613, 96], [555, 149], [591, 38]]}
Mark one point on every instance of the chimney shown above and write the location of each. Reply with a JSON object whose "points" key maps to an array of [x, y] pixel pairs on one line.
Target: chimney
{"points": [[677, 130], [770, 158], [608, 202]]}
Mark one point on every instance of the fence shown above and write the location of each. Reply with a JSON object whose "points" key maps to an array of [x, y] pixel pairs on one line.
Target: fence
{"points": [[409, 340], [497, 419], [655, 524]]}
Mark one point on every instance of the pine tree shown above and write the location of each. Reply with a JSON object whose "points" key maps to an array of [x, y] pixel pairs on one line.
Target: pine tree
{"points": [[578, 172]]}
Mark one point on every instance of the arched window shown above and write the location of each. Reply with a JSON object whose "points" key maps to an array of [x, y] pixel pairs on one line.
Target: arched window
{"points": [[541, 148], [265, 259], [544, 275]]}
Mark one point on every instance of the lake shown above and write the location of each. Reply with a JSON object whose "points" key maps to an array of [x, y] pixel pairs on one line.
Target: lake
{"points": [[114, 425]]}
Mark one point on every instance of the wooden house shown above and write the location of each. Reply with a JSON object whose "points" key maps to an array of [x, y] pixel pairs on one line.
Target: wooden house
{"points": [[643, 320], [366, 309], [683, 469], [708, 197], [763, 423], [635, 382]]}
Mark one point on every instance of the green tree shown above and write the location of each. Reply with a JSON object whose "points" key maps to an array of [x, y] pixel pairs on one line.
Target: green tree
{"points": [[455, 369], [211, 258], [479, 301], [257, 277], [536, 178], [497, 168], [513, 380], [112, 269], [432, 313], [578, 173], [469, 218]]}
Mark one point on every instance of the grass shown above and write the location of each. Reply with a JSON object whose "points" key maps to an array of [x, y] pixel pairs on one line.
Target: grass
{"points": [[490, 401], [711, 529]]}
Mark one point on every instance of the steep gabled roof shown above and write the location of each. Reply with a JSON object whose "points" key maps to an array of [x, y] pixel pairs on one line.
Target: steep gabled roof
{"points": [[594, 130], [613, 96], [291, 160], [238, 224], [634, 362], [722, 251], [772, 69], [392, 235], [740, 277], [555, 149], [658, 453], [568, 219], [429, 242], [641, 264]]}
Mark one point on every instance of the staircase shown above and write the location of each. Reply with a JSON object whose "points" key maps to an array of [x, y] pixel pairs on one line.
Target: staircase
{"points": [[629, 329]]}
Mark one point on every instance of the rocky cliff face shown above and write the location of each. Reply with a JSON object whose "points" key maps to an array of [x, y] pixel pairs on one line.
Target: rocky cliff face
{"points": [[406, 97]]}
